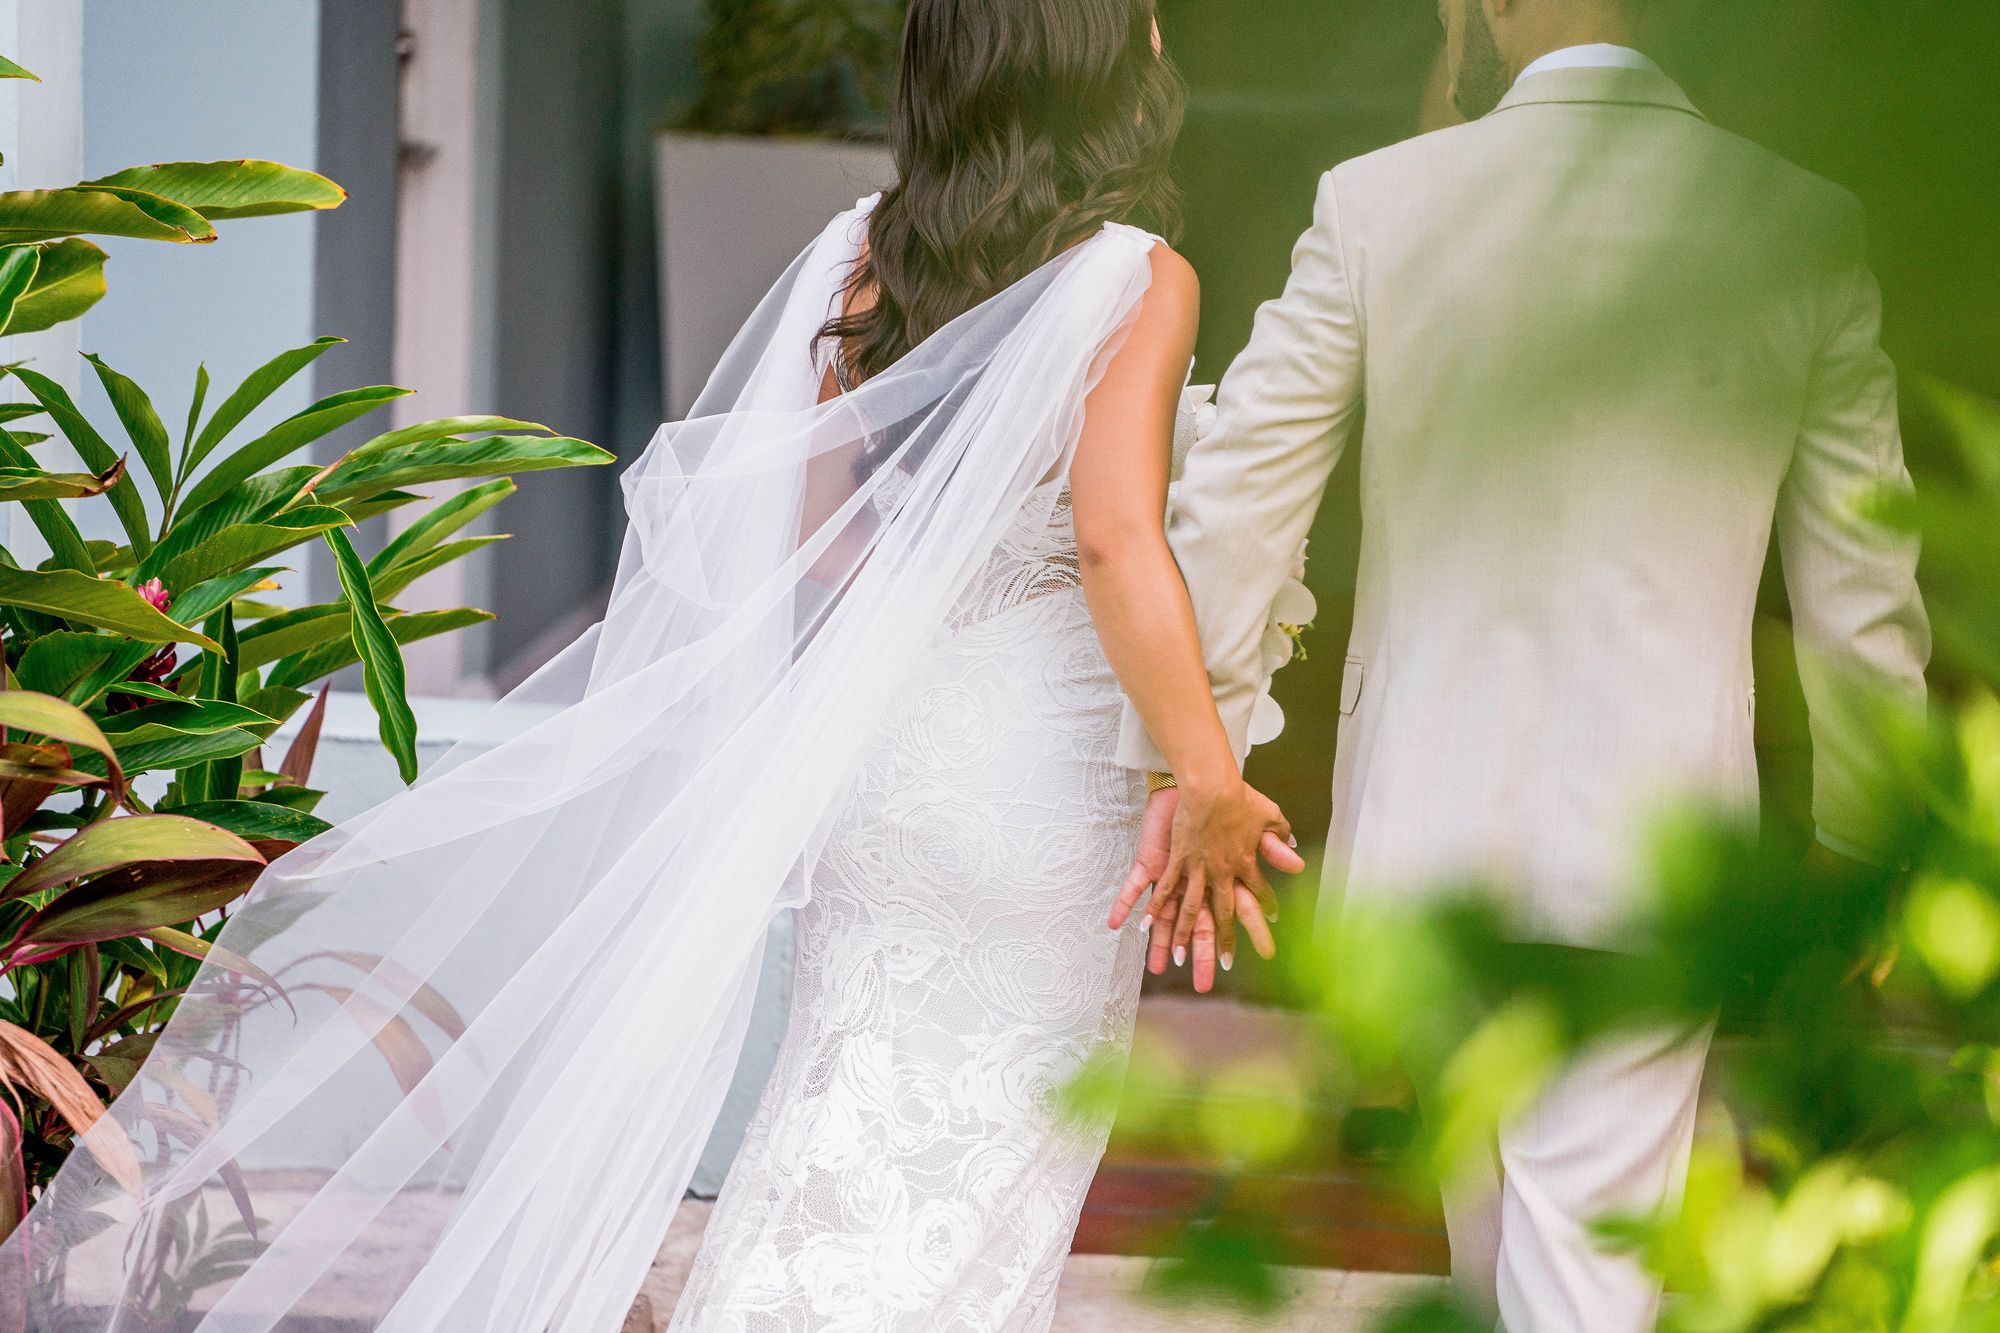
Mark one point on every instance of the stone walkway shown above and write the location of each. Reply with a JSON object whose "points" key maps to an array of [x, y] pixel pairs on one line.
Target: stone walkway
{"points": [[1097, 1295]]}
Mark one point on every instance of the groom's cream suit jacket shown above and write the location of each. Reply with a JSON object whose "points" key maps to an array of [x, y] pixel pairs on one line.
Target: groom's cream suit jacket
{"points": [[1603, 348]]}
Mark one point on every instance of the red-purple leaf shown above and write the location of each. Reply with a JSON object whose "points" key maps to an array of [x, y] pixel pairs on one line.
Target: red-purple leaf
{"points": [[29, 775], [133, 900], [121, 842], [298, 762], [31, 1064], [209, 952]]}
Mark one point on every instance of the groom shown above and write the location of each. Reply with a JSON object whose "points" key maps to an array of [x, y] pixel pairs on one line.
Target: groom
{"points": [[1603, 347]]}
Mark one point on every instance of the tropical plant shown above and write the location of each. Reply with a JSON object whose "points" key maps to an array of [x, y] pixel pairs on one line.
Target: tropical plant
{"points": [[1847, 1179], [162, 656], [50, 274], [797, 66]]}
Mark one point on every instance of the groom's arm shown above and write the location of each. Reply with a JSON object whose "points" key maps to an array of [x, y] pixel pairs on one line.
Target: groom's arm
{"points": [[1863, 638], [1252, 487]]}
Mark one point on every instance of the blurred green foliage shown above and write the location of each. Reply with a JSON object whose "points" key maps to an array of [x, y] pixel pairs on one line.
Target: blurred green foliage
{"points": [[797, 66], [1848, 1173]]}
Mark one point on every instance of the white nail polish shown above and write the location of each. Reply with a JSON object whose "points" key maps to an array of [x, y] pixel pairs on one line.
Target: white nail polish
{"points": [[1228, 961], [1146, 926], [1293, 840], [1180, 956]]}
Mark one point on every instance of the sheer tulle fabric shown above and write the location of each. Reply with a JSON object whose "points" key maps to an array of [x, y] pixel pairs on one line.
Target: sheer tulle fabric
{"points": [[513, 996]]}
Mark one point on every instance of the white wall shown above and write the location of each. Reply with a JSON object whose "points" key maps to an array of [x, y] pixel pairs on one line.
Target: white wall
{"points": [[200, 80]]}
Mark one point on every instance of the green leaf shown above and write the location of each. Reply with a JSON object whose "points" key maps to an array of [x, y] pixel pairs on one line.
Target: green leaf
{"points": [[290, 435], [252, 393], [114, 843], [246, 543], [16, 411], [258, 498], [409, 628], [389, 584], [382, 503], [276, 701], [18, 264], [91, 210], [451, 516], [123, 658], [426, 432], [54, 663], [381, 659], [205, 599], [241, 189], [68, 282], [200, 717], [142, 423], [97, 455], [31, 483], [292, 798], [181, 751], [1974, 420], [10, 70], [104, 603], [140, 689], [195, 405], [495, 455], [256, 821], [294, 632], [223, 778], [66, 544]]}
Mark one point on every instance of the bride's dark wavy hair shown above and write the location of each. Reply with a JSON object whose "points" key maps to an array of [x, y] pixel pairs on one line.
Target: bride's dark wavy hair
{"points": [[1020, 127]]}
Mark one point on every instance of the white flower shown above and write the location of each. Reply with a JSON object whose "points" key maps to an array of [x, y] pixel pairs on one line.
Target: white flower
{"points": [[1293, 611], [1194, 423]]}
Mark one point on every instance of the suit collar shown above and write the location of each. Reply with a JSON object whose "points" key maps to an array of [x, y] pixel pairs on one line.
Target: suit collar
{"points": [[1628, 87]]}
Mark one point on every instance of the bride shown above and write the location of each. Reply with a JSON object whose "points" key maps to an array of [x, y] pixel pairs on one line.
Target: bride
{"points": [[451, 1065]]}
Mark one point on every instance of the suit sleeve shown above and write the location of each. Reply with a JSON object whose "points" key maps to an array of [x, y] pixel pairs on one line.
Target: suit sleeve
{"points": [[1251, 488], [1863, 638]]}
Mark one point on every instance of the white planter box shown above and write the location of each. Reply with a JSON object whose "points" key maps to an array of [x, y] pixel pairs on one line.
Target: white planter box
{"points": [[734, 214], [357, 773]]}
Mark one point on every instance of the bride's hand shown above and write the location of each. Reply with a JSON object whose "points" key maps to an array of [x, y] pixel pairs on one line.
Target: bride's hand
{"points": [[1218, 835], [1150, 874]]}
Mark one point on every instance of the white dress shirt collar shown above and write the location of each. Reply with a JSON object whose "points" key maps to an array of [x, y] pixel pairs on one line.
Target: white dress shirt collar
{"points": [[1596, 55]]}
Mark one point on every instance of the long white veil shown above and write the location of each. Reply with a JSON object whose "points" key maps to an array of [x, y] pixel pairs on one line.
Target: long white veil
{"points": [[491, 1021]]}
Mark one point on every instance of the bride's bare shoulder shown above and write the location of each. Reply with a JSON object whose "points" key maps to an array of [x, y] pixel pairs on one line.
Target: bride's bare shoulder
{"points": [[1173, 301]]}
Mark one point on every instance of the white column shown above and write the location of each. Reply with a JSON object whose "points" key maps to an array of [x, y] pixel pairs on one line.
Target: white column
{"points": [[443, 281], [41, 134]]}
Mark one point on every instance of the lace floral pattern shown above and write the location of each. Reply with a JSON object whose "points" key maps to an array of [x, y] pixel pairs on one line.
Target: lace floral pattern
{"points": [[908, 1170]]}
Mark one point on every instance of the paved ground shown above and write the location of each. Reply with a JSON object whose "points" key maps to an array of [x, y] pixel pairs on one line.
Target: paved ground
{"points": [[1097, 1295]]}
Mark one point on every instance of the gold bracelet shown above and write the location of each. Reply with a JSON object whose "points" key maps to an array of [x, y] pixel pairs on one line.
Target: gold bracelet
{"points": [[1159, 782]]}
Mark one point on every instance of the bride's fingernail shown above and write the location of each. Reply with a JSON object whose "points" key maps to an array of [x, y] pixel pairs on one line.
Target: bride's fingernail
{"points": [[1228, 961], [1293, 840], [1146, 926], [1180, 956]]}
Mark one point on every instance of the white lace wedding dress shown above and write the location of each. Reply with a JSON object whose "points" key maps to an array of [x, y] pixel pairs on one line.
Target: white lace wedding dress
{"points": [[451, 1064], [909, 1168]]}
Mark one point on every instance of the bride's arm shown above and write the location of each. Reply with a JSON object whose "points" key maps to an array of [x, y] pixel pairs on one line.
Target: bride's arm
{"points": [[1140, 605]]}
